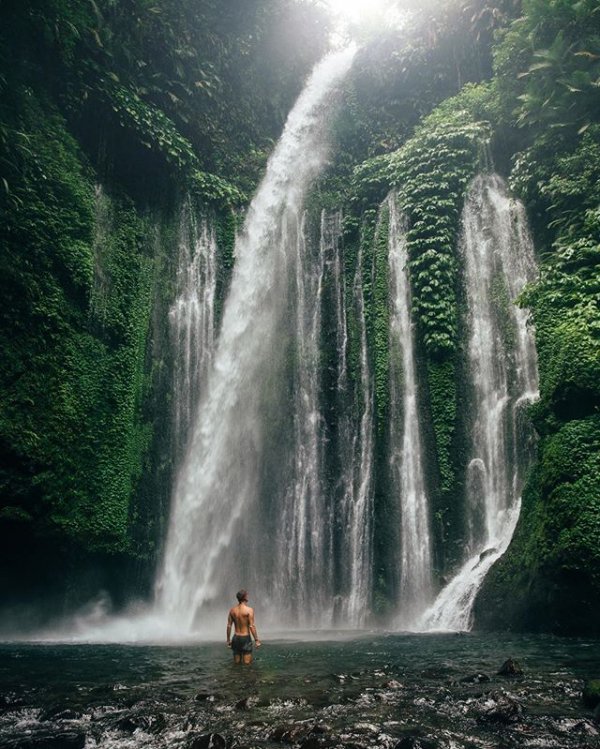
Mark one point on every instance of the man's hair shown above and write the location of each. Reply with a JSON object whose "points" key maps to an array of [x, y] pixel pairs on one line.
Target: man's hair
{"points": [[242, 595]]}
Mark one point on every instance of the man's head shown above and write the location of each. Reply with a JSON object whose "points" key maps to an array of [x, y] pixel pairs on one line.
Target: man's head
{"points": [[242, 596]]}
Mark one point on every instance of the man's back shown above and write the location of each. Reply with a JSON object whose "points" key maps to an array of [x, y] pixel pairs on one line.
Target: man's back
{"points": [[242, 616]]}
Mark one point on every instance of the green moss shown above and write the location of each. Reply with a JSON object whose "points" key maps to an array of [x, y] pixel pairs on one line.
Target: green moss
{"points": [[432, 172], [76, 278], [441, 378], [381, 322]]}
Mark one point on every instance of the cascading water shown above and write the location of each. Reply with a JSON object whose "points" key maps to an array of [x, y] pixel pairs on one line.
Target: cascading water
{"points": [[192, 320], [304, 560], [356, 448], [406, 459], [498, 261], [215, 542]]}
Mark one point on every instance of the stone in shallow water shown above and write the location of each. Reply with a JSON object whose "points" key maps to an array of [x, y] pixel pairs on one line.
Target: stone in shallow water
{"points": [[288, 733], [246, 703], [475, 679], [510, 667], [416, 742], [501, 709], [59, 712], [208, 741]]}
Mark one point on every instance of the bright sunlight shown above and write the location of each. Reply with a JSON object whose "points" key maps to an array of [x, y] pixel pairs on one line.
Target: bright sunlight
{"points": [[361, 14]]}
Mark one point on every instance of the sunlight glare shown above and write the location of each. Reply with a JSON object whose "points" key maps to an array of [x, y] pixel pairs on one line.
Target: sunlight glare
{"points": [[356, 13], [355, 10]]}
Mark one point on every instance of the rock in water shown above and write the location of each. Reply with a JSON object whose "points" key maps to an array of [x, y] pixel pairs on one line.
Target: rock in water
{"points": [[504, 709], [510, 668], [208, 741], [591, 693], [416, 742], [475, 679]]}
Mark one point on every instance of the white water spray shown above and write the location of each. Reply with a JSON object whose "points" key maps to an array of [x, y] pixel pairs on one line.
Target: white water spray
{"points": [[498, 261], [192, 320]]}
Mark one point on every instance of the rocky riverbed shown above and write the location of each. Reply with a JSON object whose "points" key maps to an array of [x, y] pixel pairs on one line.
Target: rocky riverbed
{"points": [[373, 690]]}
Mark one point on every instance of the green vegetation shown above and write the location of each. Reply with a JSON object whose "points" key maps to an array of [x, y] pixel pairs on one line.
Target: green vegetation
{"points": [[546, 76]]}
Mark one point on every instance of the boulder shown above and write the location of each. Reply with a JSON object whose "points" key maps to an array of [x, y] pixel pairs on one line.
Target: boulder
{"points": [[510, 668], [504, 709], [208, 741]]}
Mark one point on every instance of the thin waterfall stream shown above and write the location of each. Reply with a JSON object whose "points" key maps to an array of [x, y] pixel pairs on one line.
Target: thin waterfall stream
{"points": [[498, 262], [416, 584]]}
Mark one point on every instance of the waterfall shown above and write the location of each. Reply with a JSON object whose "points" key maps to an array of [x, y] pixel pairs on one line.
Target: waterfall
{"points": [[192, 320], [216, 541], [356, 452], [498, 261], [408, 482], [305, 553]]}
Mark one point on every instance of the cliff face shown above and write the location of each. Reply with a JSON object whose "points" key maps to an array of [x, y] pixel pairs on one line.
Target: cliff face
{"points": [[114, 118]]}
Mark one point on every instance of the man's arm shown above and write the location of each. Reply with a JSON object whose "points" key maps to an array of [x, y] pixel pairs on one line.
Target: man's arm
{"points": [[253, 631], [229, 625]]}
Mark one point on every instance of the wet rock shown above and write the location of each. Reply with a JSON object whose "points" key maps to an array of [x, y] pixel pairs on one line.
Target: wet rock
{"points": [[503, 709], [392, 684], [59, 740], [208, 741], [475, 679], [288, 733], [246, 703], [591, 693], [312, 742], [147, 723], [59, 712], [510, 668], [194, 722], [597, 714], [416, 742], [321, 729], [205, 697]]}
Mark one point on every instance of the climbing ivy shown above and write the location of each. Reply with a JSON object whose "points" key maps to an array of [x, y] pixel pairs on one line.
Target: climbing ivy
{"points": [[432, 172]]}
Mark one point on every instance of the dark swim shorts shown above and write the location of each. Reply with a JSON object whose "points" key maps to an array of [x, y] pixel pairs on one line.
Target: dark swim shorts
{"points": [[241, 644]]}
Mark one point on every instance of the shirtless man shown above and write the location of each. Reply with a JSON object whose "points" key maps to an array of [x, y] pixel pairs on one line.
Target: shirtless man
{"points": [[242, 617]]}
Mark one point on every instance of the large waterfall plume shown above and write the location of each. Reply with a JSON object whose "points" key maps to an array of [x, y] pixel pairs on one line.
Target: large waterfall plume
{"points": [[498, 261], [217, 540]]}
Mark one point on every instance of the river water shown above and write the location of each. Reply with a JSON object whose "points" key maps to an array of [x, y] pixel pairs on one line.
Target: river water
{"points": [[402, 691]]}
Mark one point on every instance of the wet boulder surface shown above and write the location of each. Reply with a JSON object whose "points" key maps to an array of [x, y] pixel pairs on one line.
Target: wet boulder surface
{"points": [[394, 692]]}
